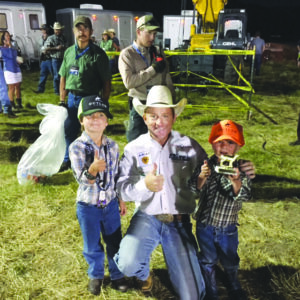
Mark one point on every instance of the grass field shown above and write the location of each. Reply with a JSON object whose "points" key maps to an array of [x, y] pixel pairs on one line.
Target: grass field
{"points": [[40, 240]]}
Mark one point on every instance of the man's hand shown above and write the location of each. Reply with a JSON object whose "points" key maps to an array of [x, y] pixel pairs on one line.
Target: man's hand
{"points": [[248, 168], [159, 66], [154, 182]]}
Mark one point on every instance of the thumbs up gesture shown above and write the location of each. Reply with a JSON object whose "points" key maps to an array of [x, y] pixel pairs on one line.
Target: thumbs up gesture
{"points": [[205, 170], [204, 174], [98, 165], [154, 182]]}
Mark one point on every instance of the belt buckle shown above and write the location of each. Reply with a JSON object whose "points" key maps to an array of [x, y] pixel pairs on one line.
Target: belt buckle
{"points": [[165, 218]]}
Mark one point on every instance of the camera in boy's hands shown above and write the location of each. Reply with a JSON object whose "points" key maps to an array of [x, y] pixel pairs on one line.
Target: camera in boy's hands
{"points": [[227, 165]]}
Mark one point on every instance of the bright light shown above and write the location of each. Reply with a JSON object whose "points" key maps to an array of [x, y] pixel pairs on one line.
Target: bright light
{"points": [[115, 18], [136, 18], [94, 17]]}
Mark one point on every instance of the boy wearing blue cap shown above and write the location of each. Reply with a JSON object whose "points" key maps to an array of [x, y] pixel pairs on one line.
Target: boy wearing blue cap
{"points": [[94, 161]]}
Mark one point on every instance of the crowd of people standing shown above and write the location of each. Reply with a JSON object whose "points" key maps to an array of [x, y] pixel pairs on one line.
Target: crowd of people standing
{"points": [[161, 170]]}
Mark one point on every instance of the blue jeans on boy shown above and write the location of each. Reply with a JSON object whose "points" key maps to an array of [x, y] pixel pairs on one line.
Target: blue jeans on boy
{"points": [[94, 222], [144, 234], [218, 244], [72, 124], [46, 69], [56, 63]]}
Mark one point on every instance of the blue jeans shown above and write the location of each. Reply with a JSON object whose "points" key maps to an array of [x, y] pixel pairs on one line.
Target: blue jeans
{"points": [[136, 125], [72, 124], [46, 69], [257, 63], [56, 63], [218, 244], [94, 221], [144, 234]]}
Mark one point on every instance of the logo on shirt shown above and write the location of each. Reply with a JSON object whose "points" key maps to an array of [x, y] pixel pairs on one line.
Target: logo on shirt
{"points": [[144, 158]]}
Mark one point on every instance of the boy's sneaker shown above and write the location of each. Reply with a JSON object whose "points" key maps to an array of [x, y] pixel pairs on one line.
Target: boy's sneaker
{"points": [[120, 285], [95, 286]]}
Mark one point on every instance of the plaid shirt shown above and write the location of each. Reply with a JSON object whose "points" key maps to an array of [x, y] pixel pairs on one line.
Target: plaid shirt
{"points": [[218, 206], [81, 155]]}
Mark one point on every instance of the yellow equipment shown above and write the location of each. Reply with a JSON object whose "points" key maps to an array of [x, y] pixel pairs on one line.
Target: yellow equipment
{"points": [[207, 19]]}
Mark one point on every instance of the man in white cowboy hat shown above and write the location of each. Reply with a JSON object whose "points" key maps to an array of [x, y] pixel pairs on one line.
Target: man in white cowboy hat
{"points": [[56, 45], [154, 172], [142, 66]]}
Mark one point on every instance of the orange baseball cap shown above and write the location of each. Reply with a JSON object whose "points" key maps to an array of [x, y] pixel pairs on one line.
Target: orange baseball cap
{"points": [[227, 130]]}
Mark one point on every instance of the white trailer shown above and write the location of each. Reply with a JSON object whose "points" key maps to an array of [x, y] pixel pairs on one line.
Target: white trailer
{"points": [[23, 21], [124, 22], [177, 29]]}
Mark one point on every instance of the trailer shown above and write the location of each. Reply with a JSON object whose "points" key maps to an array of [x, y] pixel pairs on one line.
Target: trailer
{"points": [[123, 22], [23, 22], [177, 29]]}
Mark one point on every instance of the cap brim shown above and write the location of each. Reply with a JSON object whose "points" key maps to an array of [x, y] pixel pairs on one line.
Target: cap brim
{"points": [[92, 111], [227, 137], [140, 108]]}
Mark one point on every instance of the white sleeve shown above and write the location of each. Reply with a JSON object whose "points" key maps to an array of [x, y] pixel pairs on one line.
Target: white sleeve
{"points": [[131, 182]]}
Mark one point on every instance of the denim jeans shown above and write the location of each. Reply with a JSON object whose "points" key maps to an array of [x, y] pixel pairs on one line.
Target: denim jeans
{"points": [[94, 221], [56, 63], [136, 125], [72, 124], [218, 244], [144, 234], [257, 63], [46, 69]]}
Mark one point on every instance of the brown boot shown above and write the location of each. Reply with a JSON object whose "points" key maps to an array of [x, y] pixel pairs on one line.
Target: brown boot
{"points": [[146, 285]]}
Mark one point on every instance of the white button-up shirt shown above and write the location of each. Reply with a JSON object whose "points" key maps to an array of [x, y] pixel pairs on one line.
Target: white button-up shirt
{"points": [[176, 161]]}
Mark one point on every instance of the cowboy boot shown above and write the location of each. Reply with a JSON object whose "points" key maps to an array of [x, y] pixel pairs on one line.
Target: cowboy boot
{"points": [[13, 105], [19, 103]]}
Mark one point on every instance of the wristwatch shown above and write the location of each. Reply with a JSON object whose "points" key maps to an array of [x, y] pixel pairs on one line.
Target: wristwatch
{"points": [[88, 175]]}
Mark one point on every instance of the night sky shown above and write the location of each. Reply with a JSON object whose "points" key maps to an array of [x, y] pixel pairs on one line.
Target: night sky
{"points": [[276, 19]]}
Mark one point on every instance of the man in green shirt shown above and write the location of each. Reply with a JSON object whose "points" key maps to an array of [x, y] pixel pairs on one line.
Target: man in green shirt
{"points": [[85, 71]]}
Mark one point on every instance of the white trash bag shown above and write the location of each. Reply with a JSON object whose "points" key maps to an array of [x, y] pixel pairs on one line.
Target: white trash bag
{"points": [[45, 156]]}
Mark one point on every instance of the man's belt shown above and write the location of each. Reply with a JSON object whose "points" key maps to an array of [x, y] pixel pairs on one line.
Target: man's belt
{"points": [[168, 218], [78, 93]]}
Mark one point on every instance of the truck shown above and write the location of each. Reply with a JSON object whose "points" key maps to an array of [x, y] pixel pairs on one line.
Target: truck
{"points": [[213, 27], [123, 22], [23, 22]]}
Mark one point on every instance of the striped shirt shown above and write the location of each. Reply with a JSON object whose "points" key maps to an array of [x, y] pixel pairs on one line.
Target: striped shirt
{"points": [[82, 155], [218, 206]]}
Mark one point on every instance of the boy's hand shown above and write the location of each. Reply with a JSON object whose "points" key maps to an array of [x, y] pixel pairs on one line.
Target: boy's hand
{"points": [[98, 164], [205, 170], [204, 174], [123, 208], [236, 181], [154, 182], [248, 168]]}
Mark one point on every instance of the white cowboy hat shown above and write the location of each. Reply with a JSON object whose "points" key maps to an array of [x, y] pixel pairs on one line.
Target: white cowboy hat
{"points": [[57, 25], [159, 96]]}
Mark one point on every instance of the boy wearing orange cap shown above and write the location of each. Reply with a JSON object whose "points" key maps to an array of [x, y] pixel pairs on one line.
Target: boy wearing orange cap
{"points": [[221, 198]]}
